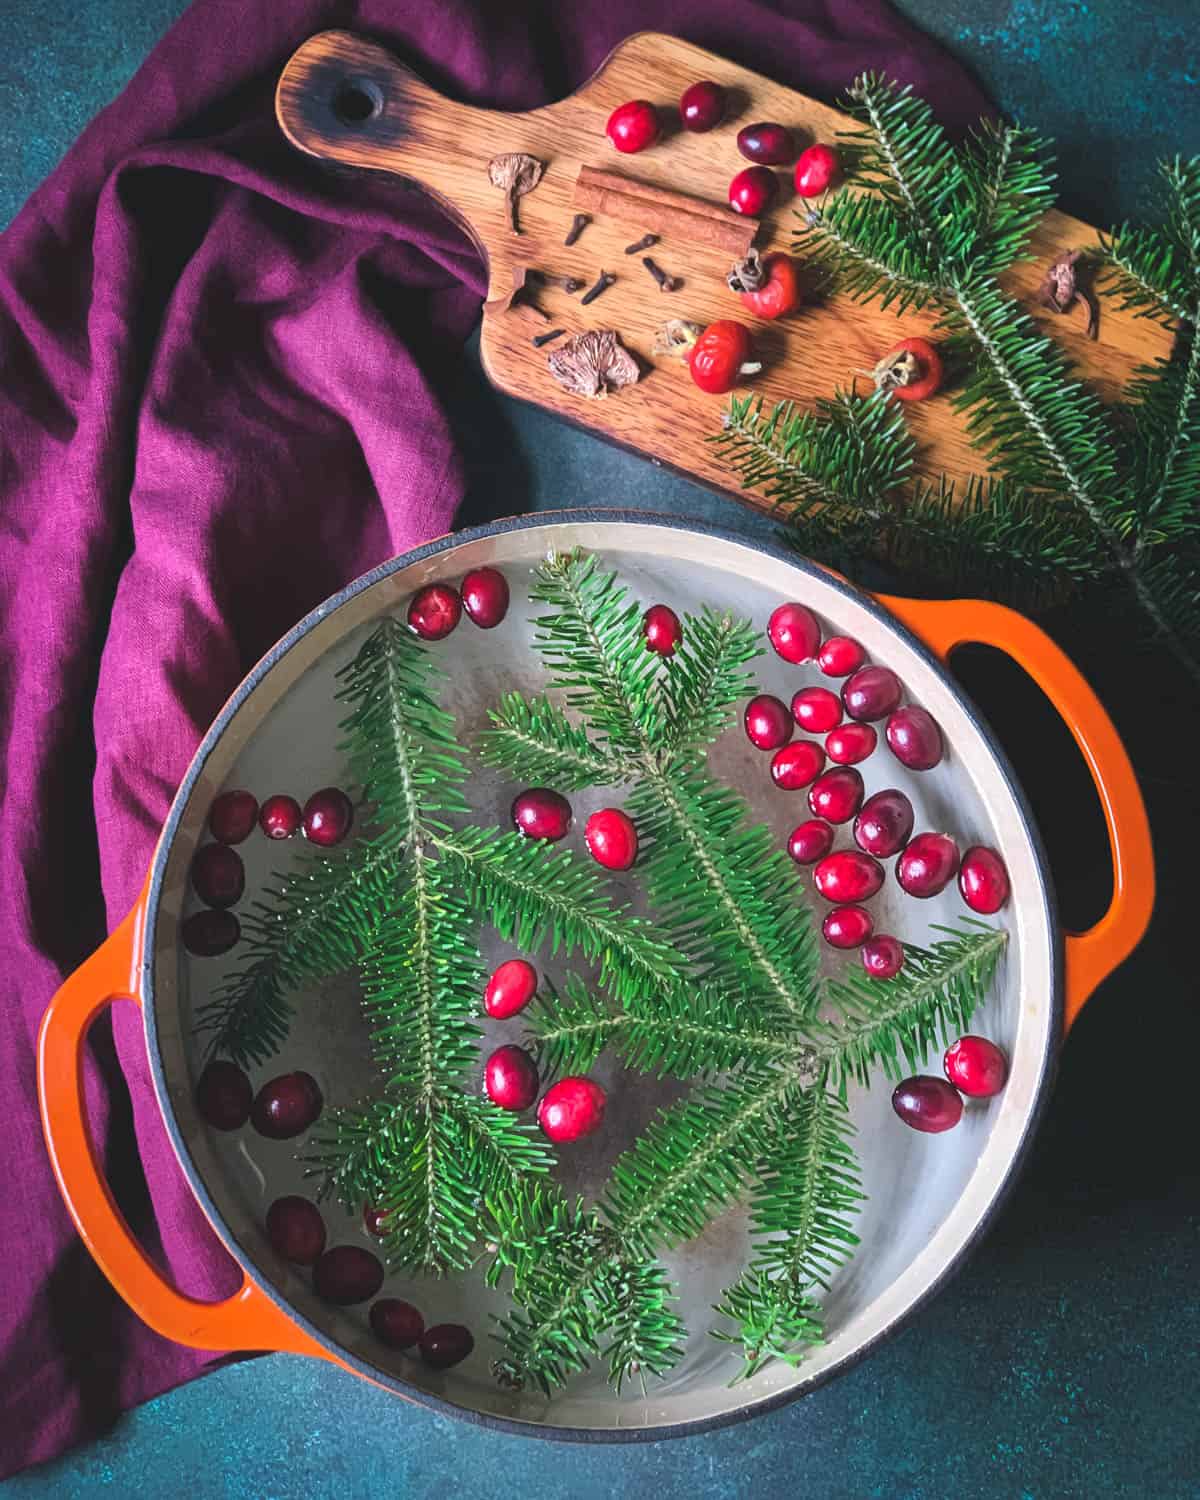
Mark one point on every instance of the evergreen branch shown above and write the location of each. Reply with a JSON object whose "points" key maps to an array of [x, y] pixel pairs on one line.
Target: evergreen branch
{"points": [[1159, 503], [533, 741], [705, 678], [1147, 275], [1010, 172], [1181, 179], [647, 1334], [866, 242], [773, 1321]]}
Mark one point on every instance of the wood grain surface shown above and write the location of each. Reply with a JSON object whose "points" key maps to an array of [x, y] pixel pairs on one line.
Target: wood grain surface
{"points": [[348, 101]]}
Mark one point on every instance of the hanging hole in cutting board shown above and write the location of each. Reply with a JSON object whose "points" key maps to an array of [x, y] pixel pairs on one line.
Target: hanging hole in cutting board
{"points": [[357, 100]]}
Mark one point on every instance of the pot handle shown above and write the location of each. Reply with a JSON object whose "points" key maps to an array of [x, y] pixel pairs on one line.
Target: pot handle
{"points": [[943, 624], [246, 1320]]}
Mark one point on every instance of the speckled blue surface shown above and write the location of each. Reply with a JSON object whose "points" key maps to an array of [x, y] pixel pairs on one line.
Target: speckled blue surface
{"points": [[1065, 1360]]}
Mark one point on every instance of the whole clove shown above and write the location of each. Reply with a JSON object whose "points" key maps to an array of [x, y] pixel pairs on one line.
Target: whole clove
{"points": [[665, 283], [643, 244], [546, 338], [606, 280], [578, 224]]}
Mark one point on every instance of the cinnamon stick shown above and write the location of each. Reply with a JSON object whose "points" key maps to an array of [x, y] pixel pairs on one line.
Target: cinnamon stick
{"points": [[652, 207]]}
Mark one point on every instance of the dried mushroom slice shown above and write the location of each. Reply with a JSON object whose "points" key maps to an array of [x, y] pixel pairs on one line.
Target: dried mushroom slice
{"points": [[593, 363], [515, 174]]}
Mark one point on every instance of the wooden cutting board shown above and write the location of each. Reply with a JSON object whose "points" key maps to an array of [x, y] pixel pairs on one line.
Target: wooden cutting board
{"points": [[348, 101]]}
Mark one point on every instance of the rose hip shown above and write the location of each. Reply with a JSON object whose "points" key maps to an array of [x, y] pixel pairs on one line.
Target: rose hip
{"points": [[767, 722], [840, 656], [871, 693], [286, 1106], [280, 817], [753, 191], [810, 841], [510, 1077], [846, 926], [927, 1104], [485, 596], [914, 738], [224, 1095], [702, 106], [611, 838], [882, 956], [796, 765], [395, 1323], [434, 611], [885, 824], [661, 627], [976, 1067], [573, 1108], [815, 170], [207, 934], [768, 144], [837, 795], [850, 743], [927, 864], [794, 633], [347, 1274], [446, 1344], [983, 880], [218, 875], [296, 1229], [816, 709], [327, 817], [848, 876], [510, 989], [231, 817], [540, 813], [633, 126]]}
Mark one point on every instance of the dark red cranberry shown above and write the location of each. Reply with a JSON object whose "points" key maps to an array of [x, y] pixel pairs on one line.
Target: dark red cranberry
{"points": [[849, 875], [661, 627], [816, 709], [871, 693], [927, 1104], [280, 817], [540, 813], [846, 926], [837, 795], [702, 106], [815, 170], [768, 144], [510, 1077], [485, 596], [347, 1274], [976, 1067], [510, 989], [327, 817], [224, 1095], [633, 126], [794, 633], [218, 875], [810, 842], [850, 743], [882, 956], [983, 880], [296, 1229], [573, 1108], [914, 738], [231, 817], [286, 1106], [434, 611], [375, 1220], [840, 656], [927, 864], [885, 824], [446, 1344], [753, 191], [767, 721], [611, 838], [209, 933], [797, 764], [395, 1323]]}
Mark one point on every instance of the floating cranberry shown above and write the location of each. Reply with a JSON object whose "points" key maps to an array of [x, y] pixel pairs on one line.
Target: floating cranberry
{"points": [[540, 813], [885, 824], [753, 191], [794, 633], [224, 1095], [840, 656], [797, 764], [510, 1077], [810, 842], [375, 1220], [485, 596], [218, 875], [702, 106], [768, 723], [395, 1323], [209, 933], [976, 1066], [327, 817], [661, 627], [296, 1229], [510, 989], [848, 875], [611, 838], [914, 738], [815, 170], [446, 1344], [231, 817], [633, 126], [882, 956], [280, 817], [983, 880], [927, 864], [768, 144], [816, 709], [846, 926], [837, 795], [871, 693], [434, 611], [573, 1108], [928, 1104], [286, 1106], [851, 743], [347, 1274]]}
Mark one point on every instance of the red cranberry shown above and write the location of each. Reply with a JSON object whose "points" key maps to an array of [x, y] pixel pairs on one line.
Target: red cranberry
{"points": [[446, 1344], [296, 1230], [768, 723], [846, 926], [397, 1324], [224, 1095], [871, 693], [885, 824], [797, 764], [347, 1274], [280, 817], [611, 838], [540, 813], [983, 880], [510, 1077], [976, 1067], [209, 933], [914, 738], [218, 875], [485, 596], [573, 1108], [817, 709], [661, 627], [882, 956], [928, 1104], [375, 1220], [815, 170], [702, 106], [840, 656], [794, 633], [810, 842], [231, 817], [850, 743], [286, 1105], [848, 875], [837, 795], [633, 126], [434, 611], [766, 143], [510, 989], [927, 864], [327, 817], [753, 191]]}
